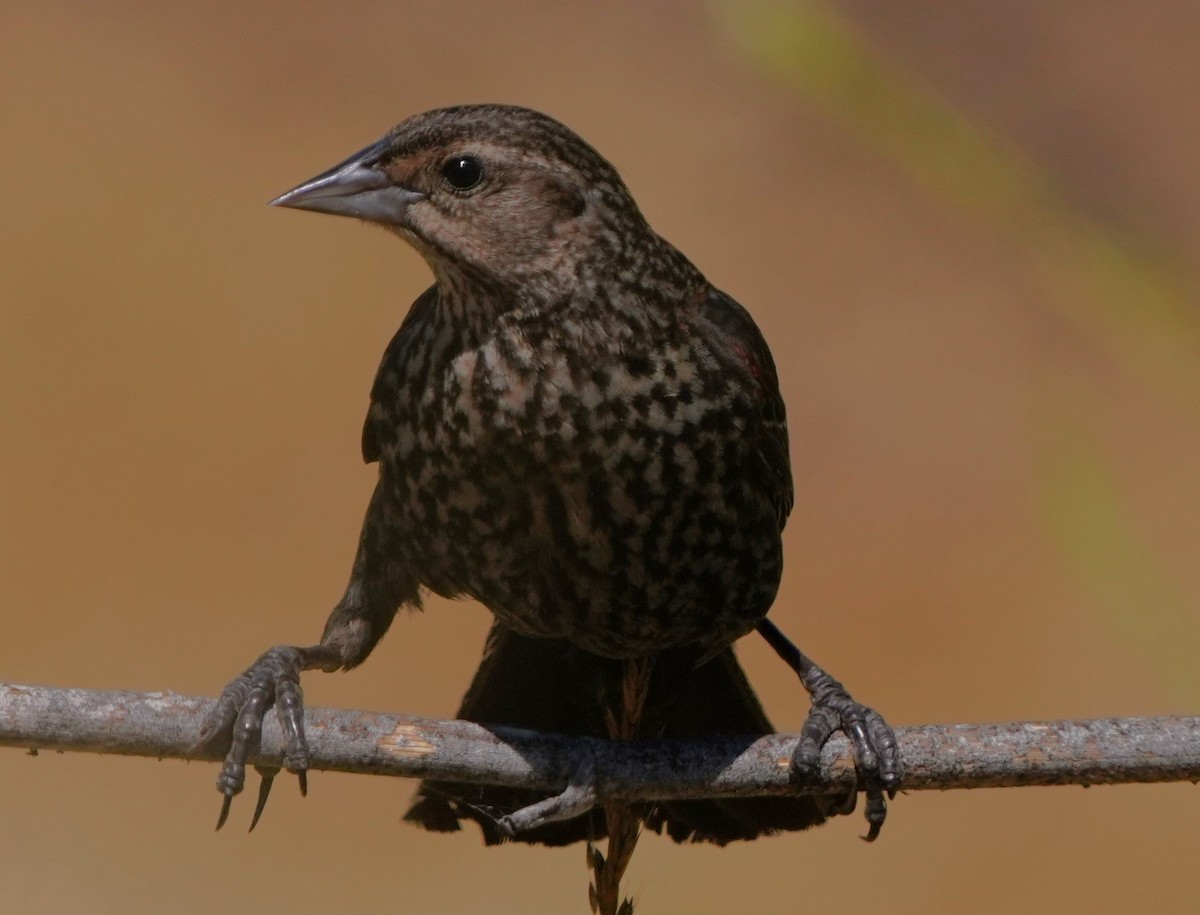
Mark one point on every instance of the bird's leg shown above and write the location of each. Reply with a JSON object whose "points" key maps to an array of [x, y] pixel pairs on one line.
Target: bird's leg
{"points": [[575, 800], [872, 741], [624, 720], [234, 726]]}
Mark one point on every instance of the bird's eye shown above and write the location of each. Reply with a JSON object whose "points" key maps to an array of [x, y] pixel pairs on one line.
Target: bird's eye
{"points": [[462, 172]]}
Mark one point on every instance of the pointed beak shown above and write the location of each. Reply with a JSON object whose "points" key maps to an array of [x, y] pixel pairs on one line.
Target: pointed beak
{"points": [[356, 187]]}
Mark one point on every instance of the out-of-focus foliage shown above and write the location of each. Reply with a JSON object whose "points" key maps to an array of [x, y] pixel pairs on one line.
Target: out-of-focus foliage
{"points": [[1136, 305]]}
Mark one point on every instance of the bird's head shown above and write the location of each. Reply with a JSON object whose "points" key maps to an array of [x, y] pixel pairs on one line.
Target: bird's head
{"points": [[487, 192]]}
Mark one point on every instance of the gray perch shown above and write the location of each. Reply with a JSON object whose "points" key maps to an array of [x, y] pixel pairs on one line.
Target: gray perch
{"points": [[164, 725]]}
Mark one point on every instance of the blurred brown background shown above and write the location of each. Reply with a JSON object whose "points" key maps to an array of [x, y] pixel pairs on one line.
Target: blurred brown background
{"points": [[971, 232]]}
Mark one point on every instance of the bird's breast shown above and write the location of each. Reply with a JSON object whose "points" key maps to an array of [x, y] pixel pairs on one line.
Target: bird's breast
{"points": [[593, 499]]}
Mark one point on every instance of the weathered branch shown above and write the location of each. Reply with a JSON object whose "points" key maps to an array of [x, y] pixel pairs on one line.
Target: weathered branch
{"points": [[163, 725]]}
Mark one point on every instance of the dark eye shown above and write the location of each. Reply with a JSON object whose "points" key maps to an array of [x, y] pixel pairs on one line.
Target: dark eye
{"points": [[462, 172]]}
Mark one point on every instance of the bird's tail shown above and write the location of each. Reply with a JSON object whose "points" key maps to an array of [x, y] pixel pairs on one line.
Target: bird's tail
{"points": [[554, 687]]}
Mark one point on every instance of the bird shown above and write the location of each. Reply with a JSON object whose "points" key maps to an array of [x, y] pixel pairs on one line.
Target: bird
{"points": [[575, 428]]}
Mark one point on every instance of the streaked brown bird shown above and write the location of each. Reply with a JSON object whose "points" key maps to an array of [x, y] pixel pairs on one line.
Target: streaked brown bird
{"points": [[575, 428]]}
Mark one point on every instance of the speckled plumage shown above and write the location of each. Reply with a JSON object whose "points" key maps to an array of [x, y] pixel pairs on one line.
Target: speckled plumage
{"points": [[617, 486], [575, 428], [601, 459]]}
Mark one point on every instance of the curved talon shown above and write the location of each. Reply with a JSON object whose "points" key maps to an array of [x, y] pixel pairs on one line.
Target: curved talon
{"points": [[876, 813], [234, 726], [224, 814], [264, 791]]}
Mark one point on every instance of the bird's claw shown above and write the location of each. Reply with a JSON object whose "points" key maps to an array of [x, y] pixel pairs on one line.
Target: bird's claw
{"points": [[226, 801], [234, 726], [872, 743], [266, 780], [576, 799]]}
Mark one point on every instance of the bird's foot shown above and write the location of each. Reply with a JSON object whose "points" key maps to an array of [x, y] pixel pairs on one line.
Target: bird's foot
{"points": [[872, 743], [575, 800], [234, 726]]}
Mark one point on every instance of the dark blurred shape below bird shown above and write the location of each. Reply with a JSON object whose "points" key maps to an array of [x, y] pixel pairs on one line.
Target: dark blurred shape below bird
{"points": [[575, 428]]}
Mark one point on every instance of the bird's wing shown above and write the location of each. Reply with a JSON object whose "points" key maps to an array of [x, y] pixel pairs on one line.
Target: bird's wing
{"points": [[740, 343], [372, 446]]}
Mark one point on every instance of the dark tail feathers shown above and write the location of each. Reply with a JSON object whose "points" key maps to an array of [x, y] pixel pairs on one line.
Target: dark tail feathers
{"points": [[554, 687]]}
